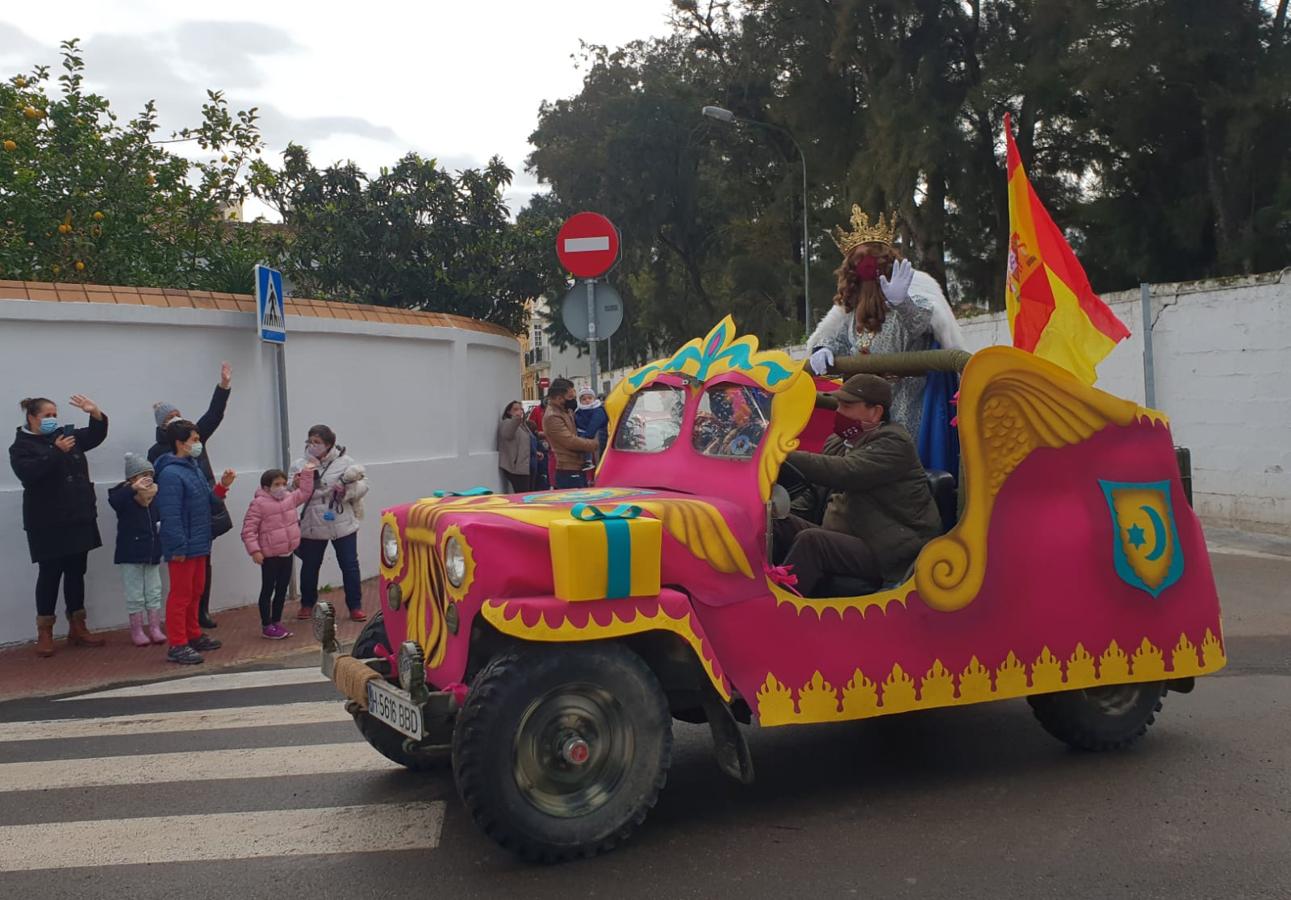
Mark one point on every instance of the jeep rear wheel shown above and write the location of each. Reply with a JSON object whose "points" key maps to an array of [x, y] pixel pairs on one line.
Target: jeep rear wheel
{"points": [[560, 752], [1101, 718]]}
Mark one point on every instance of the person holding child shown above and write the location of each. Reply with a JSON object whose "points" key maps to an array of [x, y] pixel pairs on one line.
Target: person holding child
{"points": [[186, 503], [138, 550], [271, 534], [331, 514]]}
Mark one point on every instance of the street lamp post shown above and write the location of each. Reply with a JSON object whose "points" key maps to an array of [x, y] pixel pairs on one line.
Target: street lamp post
{"points": [[725, 115]]}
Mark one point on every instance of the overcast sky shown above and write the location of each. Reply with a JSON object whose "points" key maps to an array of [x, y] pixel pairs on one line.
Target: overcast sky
{"points": [[365, 81]]}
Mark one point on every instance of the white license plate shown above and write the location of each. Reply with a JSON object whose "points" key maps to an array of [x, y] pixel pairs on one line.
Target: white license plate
{"points": [[392, 706]]}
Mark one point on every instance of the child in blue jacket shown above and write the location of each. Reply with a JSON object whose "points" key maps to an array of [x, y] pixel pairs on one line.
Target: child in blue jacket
{"points": [[138, 550], [186, 502]]}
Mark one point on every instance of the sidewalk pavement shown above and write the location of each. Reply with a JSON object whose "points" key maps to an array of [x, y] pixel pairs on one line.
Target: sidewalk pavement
{"points": [[72, 669]]}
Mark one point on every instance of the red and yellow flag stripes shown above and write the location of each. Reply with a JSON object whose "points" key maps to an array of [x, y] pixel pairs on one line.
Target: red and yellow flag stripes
{"points": [[1053, 312]]}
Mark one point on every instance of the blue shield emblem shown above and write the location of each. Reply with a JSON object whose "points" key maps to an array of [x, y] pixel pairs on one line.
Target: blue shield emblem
{"points": [[1145, 543]]}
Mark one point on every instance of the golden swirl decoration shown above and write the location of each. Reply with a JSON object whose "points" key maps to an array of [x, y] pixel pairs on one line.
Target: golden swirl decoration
{"points": [[791, 409], [1010, 404], [900, 691], [702, 530]]}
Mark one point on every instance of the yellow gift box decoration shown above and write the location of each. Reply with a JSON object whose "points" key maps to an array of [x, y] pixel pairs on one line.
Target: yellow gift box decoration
{"points": [[598, 555]]}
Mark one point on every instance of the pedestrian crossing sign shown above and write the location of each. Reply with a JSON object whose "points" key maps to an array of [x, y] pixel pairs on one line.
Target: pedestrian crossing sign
{"points": [[270, 321]]}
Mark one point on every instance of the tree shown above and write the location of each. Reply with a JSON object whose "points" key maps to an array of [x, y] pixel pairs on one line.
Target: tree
{"points": [[87, 198], [413, 236], [1155, 132]]}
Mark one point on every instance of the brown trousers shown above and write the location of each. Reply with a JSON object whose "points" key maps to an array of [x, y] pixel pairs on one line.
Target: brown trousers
{"points": [[817, 554]]}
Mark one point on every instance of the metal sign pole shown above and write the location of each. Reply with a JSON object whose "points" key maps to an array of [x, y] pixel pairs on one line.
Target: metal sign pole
{"points": [[284, 440], [591, 328], [1149, 371]]}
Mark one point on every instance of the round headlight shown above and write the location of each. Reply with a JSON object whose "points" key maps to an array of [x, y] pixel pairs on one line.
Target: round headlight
{"points": [[454, 562], [412, 665], [389, 546]]}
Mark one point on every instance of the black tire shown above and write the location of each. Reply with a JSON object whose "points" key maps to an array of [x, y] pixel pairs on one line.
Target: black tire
{"points": [[391, 744], [516, 749], [384, 739], [1102, 718], [373, 633]]}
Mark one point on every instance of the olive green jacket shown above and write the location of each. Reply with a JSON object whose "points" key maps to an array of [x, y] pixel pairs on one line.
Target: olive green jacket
{"points": [[881, 494]]}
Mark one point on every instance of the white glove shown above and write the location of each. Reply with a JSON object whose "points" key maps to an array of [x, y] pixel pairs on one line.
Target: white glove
{"points": [[897, 291], [821, 360]]}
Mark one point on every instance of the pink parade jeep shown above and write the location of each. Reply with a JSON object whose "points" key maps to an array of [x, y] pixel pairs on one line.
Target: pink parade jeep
{"points": [[546, 641]]}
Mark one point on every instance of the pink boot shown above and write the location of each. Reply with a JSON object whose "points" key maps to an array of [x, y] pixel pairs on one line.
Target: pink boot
{"points": [[136, 630], [154, 627]]}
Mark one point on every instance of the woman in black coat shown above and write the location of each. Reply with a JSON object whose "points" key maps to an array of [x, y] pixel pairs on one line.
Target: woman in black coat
{"points": [[59, 511]]}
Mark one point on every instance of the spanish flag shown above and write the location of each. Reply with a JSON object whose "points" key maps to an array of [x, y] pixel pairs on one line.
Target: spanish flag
{"points": [[1053, 312]]}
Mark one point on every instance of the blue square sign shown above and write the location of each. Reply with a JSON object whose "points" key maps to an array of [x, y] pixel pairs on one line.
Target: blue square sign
{"points": [[271, 320]]}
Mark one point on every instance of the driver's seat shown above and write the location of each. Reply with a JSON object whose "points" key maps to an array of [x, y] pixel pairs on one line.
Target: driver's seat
{"points": [[945, 495]]}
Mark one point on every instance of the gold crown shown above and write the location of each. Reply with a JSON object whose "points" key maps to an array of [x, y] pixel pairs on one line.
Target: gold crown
{"points": [[881, 232]]}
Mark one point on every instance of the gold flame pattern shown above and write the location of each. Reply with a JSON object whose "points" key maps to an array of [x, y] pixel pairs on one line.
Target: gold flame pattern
{"points": [[898, 691]]}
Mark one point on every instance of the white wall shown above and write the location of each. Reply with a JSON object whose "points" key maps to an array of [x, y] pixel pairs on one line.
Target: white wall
{"points": [[416, 405], [1222, 352]]}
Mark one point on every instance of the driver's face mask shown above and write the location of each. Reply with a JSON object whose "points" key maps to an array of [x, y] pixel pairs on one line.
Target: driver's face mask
{"points": [[849, 430]]}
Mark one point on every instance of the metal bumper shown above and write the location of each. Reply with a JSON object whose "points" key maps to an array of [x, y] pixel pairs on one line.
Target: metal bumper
{"points": [[351, 675]]}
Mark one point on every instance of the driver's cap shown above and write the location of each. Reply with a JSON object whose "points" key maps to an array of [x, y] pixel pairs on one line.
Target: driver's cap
{"points": [[869, 389]]}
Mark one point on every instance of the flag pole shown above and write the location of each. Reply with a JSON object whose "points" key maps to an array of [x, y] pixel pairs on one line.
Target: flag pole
{"points": [[1149, 370]]}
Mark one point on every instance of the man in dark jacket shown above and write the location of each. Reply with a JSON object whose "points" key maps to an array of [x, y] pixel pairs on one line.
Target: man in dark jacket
{"points": [[881, 511], [221, 521]]}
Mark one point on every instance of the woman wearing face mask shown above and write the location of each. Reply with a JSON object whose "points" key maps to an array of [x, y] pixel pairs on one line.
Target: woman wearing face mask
{"points": [[59, 511], [331, 514]]}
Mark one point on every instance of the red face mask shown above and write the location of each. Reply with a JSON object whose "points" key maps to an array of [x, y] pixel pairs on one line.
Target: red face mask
{"points": [[847, 429]]}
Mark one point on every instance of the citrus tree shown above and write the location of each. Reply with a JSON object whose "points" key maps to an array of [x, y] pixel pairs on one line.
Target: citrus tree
{"points": [[87, 197]]}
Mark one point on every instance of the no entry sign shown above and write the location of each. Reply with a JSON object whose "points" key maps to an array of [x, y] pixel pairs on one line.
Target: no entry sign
{"points": [[588, 245]]}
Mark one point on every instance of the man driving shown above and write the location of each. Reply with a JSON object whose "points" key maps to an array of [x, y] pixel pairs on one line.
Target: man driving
{"points": [[881, 510]]}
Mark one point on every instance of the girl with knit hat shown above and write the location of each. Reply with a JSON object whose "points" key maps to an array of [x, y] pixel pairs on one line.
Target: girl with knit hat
{"points": [[138, 550]]}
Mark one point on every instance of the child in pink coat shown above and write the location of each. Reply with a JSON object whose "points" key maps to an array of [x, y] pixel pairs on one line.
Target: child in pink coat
{"points": [[271, 533]]}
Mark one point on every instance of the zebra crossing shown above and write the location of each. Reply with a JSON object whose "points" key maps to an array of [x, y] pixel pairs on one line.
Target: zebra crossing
{"points": [[264, 764]]}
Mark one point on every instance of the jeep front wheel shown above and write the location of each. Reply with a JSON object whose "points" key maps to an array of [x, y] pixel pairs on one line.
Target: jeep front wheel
{"points": [[560, 752], [1100, 718]]}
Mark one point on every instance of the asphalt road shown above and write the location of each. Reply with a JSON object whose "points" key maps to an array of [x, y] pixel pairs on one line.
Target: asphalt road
{"points": [[972, 802]]}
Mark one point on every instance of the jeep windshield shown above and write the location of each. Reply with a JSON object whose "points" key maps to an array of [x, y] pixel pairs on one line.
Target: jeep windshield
{"points": [[652, 420]]}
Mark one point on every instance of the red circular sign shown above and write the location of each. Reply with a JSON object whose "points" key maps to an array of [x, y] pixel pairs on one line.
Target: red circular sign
{"points": [[588, 245]]}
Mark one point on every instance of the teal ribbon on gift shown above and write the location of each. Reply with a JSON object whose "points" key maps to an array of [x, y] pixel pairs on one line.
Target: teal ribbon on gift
{"points": [[473, 492], [618, 542]]}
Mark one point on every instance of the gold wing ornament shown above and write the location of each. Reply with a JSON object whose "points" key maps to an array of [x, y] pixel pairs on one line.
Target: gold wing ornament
{"points": [[1010, 404]]}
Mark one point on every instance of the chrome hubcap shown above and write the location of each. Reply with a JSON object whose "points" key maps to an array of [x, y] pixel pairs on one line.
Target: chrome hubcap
{"points": [[573, 748]]}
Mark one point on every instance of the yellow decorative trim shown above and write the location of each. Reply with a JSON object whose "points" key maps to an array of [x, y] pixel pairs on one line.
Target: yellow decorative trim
{"points": [[494, 612], [839, 604], [899, 691], [1011, 403], [791, 409], [389, 574], [458, 593]]}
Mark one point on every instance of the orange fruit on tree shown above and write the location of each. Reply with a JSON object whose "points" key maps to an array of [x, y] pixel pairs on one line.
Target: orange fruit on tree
{"points": [[80, 266], [64, 228], [32, 113], [11, 145], [98, 217], [20, 82]]}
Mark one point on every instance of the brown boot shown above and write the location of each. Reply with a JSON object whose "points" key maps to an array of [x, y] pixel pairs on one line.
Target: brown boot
{"points": [[44, 635], [78, 635]]}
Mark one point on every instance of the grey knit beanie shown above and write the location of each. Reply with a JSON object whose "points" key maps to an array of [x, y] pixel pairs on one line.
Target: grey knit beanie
{"points": [[161, 411], [136, 465]]}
